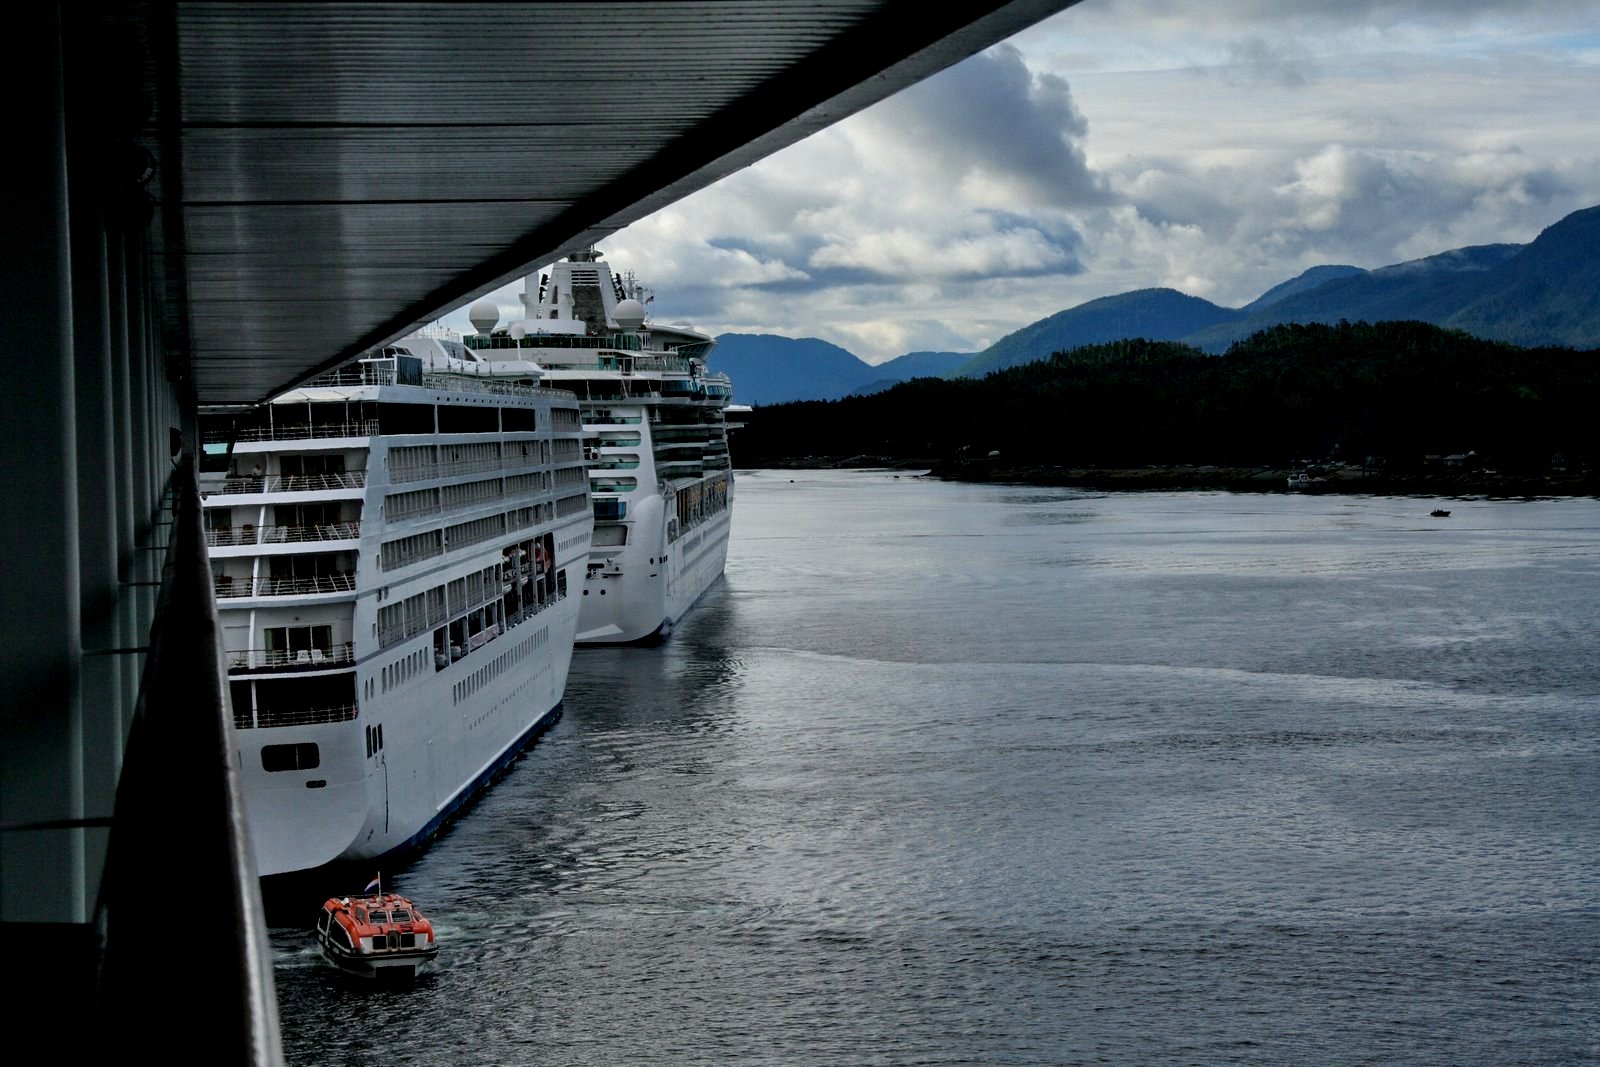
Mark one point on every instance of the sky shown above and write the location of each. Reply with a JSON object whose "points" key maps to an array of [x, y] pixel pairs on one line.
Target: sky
{"points": [[1215, 148]]}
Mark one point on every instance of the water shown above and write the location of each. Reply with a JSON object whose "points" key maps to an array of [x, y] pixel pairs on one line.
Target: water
{"points": [[947, 774]]}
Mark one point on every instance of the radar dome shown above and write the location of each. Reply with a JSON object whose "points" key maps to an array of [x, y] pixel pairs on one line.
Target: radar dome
{"points": [[517, 331], [484, 314], [629, 314]]}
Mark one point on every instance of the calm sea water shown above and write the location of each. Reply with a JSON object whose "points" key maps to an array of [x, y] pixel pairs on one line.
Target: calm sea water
{"points": [[952, 774]]}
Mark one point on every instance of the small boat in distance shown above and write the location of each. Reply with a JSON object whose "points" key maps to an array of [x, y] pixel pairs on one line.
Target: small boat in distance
{"points": [[378, 936], [1439, 513]]}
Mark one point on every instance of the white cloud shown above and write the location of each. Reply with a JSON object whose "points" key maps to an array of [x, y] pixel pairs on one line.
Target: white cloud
{"points": [[1132, 143]]}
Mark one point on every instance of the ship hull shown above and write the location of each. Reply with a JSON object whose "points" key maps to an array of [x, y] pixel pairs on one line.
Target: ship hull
{"points": [[446, 736], [398, 606], [648, 586]]}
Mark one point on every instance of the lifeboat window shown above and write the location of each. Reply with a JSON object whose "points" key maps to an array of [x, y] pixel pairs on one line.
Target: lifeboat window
{"points": [[339, 934], [402, 916], [380, 917], [301, 757]]}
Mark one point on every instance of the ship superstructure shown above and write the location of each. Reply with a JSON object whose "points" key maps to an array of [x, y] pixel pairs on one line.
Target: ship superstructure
{"points": [[396, 549], [655, 437]]}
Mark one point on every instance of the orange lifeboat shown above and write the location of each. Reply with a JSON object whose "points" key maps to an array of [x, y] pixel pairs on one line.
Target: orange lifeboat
{"points": [[379, 936]]}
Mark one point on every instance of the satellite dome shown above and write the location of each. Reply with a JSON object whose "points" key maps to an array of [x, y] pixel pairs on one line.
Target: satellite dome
{"points": [[629, 314], [517, 331], [485, 315]]}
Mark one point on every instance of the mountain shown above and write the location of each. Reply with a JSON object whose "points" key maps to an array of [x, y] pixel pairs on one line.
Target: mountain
{"points": [[912, 365], [1422, 290], [1544, 293], [1309, 279], [1548, 293], [1154, 314], [768, 369], [921, 365]]}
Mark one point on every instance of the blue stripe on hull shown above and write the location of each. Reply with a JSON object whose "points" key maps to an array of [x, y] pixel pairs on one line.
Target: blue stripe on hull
{"points": [[290, 889], [415, 842]]}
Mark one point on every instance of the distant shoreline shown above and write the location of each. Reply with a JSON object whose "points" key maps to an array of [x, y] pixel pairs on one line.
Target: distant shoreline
{"points": [[1448, 483]]}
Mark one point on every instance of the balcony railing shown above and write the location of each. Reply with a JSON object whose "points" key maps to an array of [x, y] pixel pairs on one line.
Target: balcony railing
{"points": [[270, 717], [277, 535], [379, 372], [322, 583], [284, 659], [470, 466], [297, 431], [295, 483]]}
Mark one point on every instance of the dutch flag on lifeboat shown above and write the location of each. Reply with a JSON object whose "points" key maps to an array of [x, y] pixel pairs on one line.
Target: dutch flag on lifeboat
{"points": [[375, 885]]}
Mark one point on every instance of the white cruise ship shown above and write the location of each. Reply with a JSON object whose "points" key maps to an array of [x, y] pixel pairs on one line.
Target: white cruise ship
{"points": [[397, 549], [654, 434]]}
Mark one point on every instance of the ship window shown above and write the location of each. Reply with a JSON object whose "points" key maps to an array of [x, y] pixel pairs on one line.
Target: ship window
{"points": [[298, 644], [313, 464], [463, 418], [301, 757], [405, 418]]}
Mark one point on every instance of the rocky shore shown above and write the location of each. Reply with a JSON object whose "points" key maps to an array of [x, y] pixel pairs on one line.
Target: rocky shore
{"points": [[1443, 482]]}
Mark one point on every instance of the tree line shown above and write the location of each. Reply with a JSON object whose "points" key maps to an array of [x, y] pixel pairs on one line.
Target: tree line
{"points": [[1390, 393]]}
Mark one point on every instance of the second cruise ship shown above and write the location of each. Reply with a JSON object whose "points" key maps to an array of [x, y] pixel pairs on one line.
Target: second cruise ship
{"points": [[655, 436]]}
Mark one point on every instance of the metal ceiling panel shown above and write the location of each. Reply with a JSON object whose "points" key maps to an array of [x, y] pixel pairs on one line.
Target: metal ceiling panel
{"points": [[334, 174]]}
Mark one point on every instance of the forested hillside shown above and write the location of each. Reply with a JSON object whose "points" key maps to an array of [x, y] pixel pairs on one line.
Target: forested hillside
{"points": [[1392, 393]]}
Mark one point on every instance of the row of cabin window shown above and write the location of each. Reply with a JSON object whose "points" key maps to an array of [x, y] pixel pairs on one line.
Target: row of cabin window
{"points": [[402, 670], [493, 669]]}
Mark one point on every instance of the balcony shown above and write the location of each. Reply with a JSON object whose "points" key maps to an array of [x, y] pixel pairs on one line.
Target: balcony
{"points": [[297, 431], [283, 659], [294, 483], [230, 587], [470, 466], [270, 717], [279, 535]]}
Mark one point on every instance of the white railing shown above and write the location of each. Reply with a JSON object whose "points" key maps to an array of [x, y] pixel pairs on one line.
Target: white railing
{"points": [[277, 535], [298, 431], [227, 586], [267, 718], [470, 383], [245, 659], [295, 483], [377, 373]]}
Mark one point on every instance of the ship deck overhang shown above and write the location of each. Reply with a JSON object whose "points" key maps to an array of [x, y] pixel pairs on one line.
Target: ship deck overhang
{"points": [[333, 175], [214, 202]]}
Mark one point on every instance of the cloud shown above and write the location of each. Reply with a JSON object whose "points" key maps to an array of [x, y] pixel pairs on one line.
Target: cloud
{"points": [[995, 193], [1254, 59], [992, 125]]}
